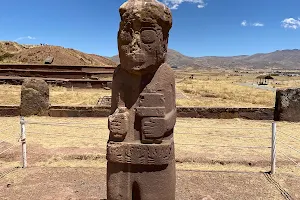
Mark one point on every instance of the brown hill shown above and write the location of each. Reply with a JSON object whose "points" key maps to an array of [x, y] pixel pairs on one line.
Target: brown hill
{"points": [[12, 52]]}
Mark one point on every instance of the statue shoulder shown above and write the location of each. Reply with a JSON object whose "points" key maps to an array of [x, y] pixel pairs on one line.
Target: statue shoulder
{"points": [[167, 66], [119, 72], [166, 69], [116, 71]]}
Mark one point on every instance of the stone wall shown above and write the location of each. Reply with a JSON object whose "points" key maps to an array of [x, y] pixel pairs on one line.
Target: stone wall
{"points": [[192, 112], [226, 113], [9, 111], [79, 111]]}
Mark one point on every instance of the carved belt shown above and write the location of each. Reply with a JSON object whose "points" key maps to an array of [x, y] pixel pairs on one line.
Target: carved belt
{"points": [[143, 154]]}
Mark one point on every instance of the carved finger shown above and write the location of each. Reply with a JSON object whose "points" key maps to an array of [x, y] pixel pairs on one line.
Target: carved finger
{"points": [[149, 123], [149, 136], [146, 131]]}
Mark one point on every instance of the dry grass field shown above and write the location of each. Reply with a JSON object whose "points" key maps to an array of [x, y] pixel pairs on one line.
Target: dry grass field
{"points": [[218, 151], [229, 89], [207, 89], [11, 94], [223, 93]]}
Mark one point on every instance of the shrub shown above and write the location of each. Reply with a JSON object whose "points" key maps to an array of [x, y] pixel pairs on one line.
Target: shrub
{"points": [[5, 56]]}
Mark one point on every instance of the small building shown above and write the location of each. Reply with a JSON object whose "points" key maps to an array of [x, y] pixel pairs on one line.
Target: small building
{"points": [[264, 79]]}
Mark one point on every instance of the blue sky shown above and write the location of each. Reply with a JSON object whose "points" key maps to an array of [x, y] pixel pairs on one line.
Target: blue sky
{"points": [[200, 27]]}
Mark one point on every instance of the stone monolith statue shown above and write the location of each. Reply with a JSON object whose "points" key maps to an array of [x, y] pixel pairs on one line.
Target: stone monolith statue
{"points": [[140, 149], [287, 105], [34, 97]]}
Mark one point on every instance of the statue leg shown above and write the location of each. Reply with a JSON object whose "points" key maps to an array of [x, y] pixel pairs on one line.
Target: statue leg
{"points": [[140, 182], [119, 181], [158, 183]]}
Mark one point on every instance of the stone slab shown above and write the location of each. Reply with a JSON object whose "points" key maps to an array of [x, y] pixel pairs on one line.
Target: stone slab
{"points": [[287, 106]]}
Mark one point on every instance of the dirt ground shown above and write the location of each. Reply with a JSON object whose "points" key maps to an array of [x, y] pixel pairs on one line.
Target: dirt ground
{"points": [[66, 160], [90, 183]]}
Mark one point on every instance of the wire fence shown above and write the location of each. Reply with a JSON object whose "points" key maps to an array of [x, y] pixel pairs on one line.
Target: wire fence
{"points": [[289, 146], [189, 140], [228, 143], [9, 151]]}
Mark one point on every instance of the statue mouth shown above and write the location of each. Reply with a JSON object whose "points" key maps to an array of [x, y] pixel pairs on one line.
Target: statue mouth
{"points": [[137, 57]]}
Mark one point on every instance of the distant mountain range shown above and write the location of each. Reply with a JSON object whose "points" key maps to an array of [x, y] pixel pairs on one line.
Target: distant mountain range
{"points": [[12, 52], [281, 59]]}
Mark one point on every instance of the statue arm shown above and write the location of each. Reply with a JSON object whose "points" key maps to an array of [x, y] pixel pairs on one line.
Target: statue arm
{"points": [[170, 117], [170, 120], [115, 90], [155, 122], [118, 119]]}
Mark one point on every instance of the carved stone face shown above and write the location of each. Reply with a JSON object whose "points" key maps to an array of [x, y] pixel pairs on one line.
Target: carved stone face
{"points": [[141, 44]]}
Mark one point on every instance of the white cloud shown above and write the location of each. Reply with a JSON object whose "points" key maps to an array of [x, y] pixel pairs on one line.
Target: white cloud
{"points": [[201, 6], [244, 23], [258, 24], [174, 4], [23, 38], [291, 23]]}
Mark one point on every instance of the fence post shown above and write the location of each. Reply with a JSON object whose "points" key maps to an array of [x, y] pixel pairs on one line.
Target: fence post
{"points": [[23, 140], [273, 153]]}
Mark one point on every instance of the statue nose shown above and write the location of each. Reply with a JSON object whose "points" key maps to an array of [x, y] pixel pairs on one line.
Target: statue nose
{"points": [[136, 42]]}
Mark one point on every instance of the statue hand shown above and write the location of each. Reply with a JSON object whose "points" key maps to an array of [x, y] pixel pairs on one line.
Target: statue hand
{"points": [[118, 126], [153, 129]]}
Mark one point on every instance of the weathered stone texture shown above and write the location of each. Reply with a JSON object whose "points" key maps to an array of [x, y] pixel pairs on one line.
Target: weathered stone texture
{"points": [[287, 106], [34, 97], [131, 153], [140, 182], [140, 150]]}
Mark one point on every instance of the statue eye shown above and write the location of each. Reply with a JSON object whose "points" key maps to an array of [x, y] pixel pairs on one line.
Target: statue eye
{"points": [[148, 36], [125, 37]]}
